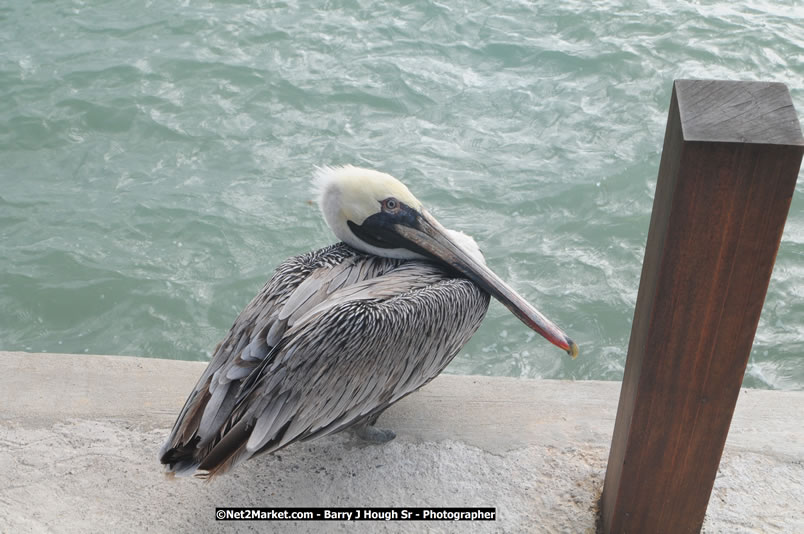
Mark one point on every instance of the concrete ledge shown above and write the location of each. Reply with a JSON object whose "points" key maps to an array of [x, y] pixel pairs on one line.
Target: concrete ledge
{"points": [[79, 435]]}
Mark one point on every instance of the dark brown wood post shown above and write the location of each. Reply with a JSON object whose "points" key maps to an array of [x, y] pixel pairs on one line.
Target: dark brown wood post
{"points": [[732, 153]]}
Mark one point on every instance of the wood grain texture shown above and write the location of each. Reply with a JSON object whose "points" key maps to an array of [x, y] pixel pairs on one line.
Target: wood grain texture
{"points": [[738, 112], [729, 166]]}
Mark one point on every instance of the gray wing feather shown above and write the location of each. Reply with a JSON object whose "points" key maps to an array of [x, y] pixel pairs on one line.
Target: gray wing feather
{"points": [[365, 347], [242, 350], [340, 341], [255, 334]]}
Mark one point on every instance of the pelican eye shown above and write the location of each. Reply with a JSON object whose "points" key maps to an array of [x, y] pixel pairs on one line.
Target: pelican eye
{"points": [[390, 204]]}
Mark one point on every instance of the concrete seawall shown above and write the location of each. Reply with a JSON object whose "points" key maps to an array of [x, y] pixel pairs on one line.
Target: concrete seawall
{"points": [[79, 436]]}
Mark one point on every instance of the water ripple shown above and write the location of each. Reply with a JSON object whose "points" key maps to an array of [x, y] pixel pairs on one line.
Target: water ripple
{"points": [[156, 159]]}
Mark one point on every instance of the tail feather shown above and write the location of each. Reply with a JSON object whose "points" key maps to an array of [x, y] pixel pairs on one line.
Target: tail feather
{"points": [[228, 452]]}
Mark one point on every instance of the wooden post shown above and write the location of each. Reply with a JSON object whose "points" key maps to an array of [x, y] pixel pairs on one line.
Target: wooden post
{"points": [[732, 152]]}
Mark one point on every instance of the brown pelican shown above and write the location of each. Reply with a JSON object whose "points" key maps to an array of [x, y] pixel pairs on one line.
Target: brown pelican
{"points": [[338, 335]]}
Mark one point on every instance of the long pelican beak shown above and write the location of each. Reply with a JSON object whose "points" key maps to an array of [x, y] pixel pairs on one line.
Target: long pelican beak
{"points": [[427, 234]]}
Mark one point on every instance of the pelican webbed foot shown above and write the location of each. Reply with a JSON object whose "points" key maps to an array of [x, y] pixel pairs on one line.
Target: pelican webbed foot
{"points": [[372, 434]]}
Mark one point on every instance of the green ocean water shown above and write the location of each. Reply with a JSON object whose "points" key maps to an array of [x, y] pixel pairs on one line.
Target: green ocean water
{"points": [[155, 159]]}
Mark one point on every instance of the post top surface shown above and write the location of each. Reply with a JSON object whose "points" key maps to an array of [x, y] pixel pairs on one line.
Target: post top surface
{"points": [[737, 112]]}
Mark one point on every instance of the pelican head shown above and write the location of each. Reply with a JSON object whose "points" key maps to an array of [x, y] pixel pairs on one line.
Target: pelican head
{"points": [[374, 212]]}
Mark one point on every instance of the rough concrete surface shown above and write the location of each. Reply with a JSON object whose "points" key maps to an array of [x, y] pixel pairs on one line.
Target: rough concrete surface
{"points": [[79, 436]]}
